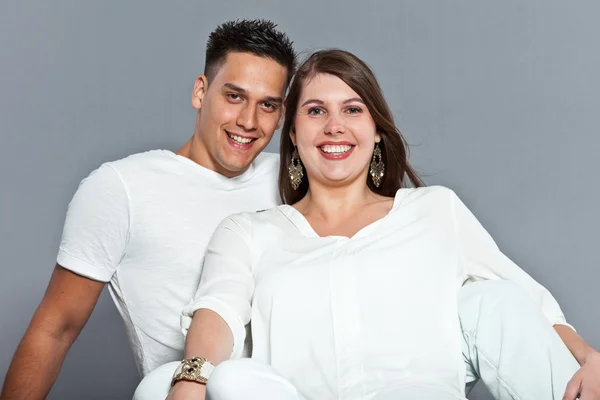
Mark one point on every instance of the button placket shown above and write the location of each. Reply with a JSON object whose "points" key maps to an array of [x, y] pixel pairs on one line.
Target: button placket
{"points": [[346, 321]]}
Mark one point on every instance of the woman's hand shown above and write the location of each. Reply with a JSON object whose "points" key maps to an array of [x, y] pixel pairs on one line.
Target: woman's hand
{"points": [[186, 390], [586, 382]]}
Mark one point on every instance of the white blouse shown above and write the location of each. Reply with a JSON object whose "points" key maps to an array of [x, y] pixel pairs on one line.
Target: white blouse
{"points": [[345, 317]]}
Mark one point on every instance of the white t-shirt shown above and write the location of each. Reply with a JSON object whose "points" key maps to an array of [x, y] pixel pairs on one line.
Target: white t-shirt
{"points": [[345, 317], [142, 224]]}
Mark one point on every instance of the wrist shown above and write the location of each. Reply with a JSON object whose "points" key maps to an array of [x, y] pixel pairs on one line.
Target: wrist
{"points": [[194, 369], [189, 386], [188, 389], [590, 353]]}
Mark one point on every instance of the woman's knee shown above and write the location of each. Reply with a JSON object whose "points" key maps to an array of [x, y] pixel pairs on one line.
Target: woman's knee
{"points": [[496, 296], [230, 377], [227, 377], [488, 305], [156, 384], [249, 379]]}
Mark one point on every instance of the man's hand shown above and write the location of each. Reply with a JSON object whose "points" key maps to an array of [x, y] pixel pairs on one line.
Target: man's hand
{"points": [[185, 390], [585, 384]]}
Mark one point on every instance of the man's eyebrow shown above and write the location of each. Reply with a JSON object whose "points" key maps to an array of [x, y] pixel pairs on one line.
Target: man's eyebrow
{"points": [[270, 99], [234, 87]]}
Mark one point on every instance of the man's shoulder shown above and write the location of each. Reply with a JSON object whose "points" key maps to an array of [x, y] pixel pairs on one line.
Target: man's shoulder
{"points": [[148, 166], [119, 173], [143, 159]]}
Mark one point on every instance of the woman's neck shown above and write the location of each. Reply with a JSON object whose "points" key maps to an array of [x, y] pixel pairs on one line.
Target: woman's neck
{"points": [[342, 211], [332, 203]]}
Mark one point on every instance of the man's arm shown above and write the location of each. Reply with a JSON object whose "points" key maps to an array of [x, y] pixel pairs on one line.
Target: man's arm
{"points": [[62, 313]]}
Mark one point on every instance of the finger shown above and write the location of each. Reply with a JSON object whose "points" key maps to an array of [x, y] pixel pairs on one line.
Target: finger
{"points": [[573, 388]]}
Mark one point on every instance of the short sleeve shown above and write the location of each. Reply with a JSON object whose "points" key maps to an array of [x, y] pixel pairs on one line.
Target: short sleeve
{"points": [[227, 282], [96, 229], [482, 259]]}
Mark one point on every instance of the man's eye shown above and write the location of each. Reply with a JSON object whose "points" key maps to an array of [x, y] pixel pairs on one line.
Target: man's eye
{"points": [[270, 106], [233, 96], [316, 111]]}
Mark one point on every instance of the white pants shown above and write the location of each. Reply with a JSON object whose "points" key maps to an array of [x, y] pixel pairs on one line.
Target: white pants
{"points": [[508, 344]]}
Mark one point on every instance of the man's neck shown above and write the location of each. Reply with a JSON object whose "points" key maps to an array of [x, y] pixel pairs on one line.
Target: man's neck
{"points": [[185, 150]]}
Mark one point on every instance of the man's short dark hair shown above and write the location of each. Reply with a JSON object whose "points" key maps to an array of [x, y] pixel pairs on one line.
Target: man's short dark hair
{"points": [[257, 36]]}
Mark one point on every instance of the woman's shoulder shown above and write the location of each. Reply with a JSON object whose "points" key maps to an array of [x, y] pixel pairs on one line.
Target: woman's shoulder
{"points": [[428, 194], [251, 222], [434, 204]]}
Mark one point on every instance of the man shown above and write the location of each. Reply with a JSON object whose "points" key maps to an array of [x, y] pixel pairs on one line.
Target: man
{"points": [[142, 224]]}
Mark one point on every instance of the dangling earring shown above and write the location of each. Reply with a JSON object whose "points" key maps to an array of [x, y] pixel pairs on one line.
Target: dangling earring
{"points": [[377, 166], [295, 170]]}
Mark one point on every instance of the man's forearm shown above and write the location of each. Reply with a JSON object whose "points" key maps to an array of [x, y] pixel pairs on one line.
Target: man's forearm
{"points": [[34, 367], [60, 317], [576, 345]]}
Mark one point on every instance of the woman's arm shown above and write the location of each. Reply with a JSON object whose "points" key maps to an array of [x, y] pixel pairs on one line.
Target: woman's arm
{"points": [[209, 337], [216, 316], [575, 343], [585, 384], [483, 260]]}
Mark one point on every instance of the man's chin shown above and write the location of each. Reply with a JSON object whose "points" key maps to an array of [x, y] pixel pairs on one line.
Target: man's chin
{"points": [[236, 161], [236, 166]]}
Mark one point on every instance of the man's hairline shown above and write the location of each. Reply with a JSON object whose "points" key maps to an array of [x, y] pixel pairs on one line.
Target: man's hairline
{"points": [[219, 64]]}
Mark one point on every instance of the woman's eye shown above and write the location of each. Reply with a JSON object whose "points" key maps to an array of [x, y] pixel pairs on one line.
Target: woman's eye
{"points": [[316, 111], [354, 110]]}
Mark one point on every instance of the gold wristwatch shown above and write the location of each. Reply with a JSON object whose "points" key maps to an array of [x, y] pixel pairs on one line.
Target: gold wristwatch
{"points": [[194, 369]]}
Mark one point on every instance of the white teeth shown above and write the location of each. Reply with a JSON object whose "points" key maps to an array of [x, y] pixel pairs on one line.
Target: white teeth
{"points": [[239, 139], [335, 149]]}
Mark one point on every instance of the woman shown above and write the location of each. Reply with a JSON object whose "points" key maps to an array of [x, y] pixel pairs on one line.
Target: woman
{"points": [[352, 285]]}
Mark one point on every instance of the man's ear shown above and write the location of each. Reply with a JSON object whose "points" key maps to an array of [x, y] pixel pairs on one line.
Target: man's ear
{"points": [[200, 87]]}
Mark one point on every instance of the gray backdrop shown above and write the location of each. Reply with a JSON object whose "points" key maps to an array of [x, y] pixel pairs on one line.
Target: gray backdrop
{"points": [[499, 99]]}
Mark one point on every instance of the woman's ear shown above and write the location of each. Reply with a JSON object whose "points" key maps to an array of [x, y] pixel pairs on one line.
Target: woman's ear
{"points": [[377, 137], [293, 136]]}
